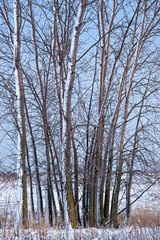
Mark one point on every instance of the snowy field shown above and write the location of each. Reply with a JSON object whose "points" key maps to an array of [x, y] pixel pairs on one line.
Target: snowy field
{"points": [[148, 204], [124, 233]]}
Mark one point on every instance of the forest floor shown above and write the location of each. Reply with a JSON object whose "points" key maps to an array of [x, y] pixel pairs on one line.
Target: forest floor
{"points": [[144, 223]]}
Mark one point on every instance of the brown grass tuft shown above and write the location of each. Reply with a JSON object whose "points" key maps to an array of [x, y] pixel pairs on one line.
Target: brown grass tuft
{"points": [[145, 218]]}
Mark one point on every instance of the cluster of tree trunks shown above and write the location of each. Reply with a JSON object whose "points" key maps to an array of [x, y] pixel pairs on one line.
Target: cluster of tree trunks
{"points": [[86, 77]]}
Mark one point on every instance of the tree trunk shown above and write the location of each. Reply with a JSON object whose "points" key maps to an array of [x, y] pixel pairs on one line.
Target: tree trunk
{"points": [[76, 189], [66, 158], [31, 183], [20, 115], [37, 177]]}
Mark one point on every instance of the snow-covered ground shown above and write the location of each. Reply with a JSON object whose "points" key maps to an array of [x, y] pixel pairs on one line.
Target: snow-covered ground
{"points": [[124, 233], [149, 201]]}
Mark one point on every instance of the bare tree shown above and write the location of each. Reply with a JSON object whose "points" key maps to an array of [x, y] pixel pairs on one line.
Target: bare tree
{"points": [[87, 90], [21, 146]]}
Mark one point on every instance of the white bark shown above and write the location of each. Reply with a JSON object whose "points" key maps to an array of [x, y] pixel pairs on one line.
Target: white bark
{"points": [[101, 96], [68, 88], [73, 52], [19, 120]]}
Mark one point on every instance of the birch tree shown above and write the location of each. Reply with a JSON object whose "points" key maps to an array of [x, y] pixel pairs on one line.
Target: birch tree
{"points": [[21, 145], [87, 89], [66, 162]]}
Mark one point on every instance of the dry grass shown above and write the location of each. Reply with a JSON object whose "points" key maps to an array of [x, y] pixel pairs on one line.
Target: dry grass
{"points": [[141, 217], [143, 224], [145, 218], [126, 233]]}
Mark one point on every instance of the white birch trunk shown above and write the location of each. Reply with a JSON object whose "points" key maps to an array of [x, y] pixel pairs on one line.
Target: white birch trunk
{"points": [[19, 121], [19, 184], [68, 89], [101, 96]]}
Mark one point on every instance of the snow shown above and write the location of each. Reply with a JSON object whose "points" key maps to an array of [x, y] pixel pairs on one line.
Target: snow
{"points": [[149, 200], [87, 234]]}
